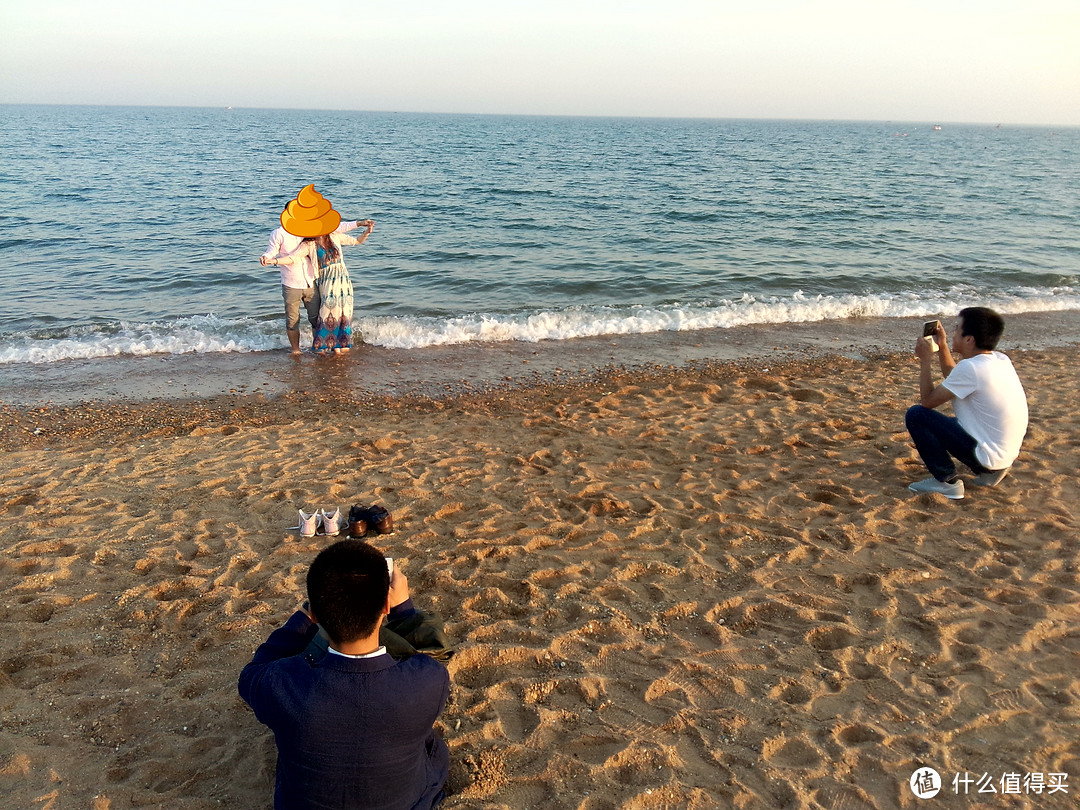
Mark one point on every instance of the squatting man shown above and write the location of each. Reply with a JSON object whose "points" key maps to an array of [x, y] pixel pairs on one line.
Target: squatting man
{"points": [[987, 397]]}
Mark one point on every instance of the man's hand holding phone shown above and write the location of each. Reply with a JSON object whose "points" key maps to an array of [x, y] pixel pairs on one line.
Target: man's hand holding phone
{"points": [[932, 332], [399, 586]]}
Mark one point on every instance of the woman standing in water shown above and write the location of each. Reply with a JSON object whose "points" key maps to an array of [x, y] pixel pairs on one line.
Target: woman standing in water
{"points": [[333, 332], [311, 216]]}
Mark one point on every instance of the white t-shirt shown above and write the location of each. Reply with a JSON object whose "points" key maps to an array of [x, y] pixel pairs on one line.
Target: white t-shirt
{"points": [[991, 406]]}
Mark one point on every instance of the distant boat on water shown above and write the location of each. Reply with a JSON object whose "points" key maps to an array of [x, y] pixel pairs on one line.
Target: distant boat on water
{"points": [[937, 127]]}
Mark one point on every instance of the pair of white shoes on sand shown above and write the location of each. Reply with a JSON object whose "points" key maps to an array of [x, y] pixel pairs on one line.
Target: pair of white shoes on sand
{"points": [[321, 522]]}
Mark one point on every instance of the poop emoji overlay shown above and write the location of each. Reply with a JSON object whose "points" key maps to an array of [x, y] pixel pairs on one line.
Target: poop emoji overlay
{"points": [[310, 214]]}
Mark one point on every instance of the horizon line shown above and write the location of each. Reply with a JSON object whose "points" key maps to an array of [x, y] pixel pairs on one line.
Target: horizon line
{"points": [[931, 122]]}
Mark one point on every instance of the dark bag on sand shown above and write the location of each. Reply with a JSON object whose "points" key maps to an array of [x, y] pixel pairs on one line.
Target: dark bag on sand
{"points": [[419, 633]]}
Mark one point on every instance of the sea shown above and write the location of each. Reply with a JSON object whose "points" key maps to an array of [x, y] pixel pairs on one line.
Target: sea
{"points": [[136, 231]]}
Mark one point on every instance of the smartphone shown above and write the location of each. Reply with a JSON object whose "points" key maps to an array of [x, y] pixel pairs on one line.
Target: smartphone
{"points": [[390, 566], [929, 330]]}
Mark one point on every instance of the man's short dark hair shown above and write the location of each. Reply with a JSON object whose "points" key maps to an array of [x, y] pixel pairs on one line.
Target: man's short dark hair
{"points": [[347, 586], [983, 324]]}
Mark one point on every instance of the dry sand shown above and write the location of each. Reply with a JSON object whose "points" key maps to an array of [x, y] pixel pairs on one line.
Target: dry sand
{"points": [[698, 588]]}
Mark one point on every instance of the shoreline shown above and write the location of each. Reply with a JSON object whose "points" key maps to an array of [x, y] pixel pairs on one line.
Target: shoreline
{"points": [[90, 423], [117, 399], [448, 371]]}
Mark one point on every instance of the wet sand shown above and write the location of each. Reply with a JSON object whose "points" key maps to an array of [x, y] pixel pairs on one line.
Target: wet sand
{"points": [[473, 368]]}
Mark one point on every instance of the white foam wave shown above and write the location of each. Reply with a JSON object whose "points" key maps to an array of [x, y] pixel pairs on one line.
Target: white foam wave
{"points": [[211, 334], [199, 334], [413, 333]]}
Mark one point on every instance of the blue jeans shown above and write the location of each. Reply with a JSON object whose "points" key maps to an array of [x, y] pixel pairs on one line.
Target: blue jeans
{"points": [[939, 439]]}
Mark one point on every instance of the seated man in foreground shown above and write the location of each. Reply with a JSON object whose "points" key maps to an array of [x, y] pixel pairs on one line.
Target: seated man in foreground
{"points": [[353, 726], [988, 400]]}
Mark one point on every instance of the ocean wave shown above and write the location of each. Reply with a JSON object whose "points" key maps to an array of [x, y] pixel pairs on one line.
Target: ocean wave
{"points": [[213, 334], [198, 334], [576, 322]]}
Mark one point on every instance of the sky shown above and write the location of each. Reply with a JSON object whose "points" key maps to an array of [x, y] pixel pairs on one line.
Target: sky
{"points": [[985, 61]]}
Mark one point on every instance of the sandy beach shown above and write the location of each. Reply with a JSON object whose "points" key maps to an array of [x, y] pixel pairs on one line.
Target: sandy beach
{"points": [[699, 585]]}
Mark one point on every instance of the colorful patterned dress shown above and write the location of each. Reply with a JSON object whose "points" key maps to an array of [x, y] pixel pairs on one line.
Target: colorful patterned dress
{"points": [[334, 328]]}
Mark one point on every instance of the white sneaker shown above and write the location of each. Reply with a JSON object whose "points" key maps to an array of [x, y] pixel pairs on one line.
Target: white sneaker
{"points": [[990, 479], [309, 524], [932, 485], [331, 524]]}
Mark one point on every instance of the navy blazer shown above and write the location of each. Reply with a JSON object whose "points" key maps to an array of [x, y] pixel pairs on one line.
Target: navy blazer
{"points": [[350, 732]]}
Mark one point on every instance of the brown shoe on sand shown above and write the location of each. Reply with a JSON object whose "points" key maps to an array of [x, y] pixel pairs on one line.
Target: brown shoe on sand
{"points": [[381, 519], [358, 526]]}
